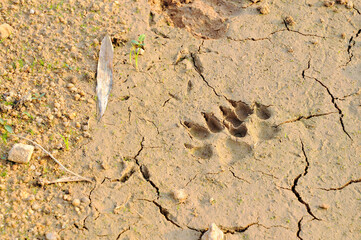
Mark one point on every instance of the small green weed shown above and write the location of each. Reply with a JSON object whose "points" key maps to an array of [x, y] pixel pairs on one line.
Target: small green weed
{"points": [[66, 141], [8, 129], [137, 46]]}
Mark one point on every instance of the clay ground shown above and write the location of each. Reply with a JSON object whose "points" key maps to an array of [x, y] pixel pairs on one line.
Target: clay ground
{"points": [[294, 175]]}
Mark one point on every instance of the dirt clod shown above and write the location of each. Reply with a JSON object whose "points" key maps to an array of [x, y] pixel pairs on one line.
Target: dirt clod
{"points": [[21, 153], [5, 30], [264, 9], [289, 21]]}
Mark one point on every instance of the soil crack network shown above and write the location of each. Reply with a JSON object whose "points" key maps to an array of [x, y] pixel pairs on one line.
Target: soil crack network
{"points": [[295, 183]]}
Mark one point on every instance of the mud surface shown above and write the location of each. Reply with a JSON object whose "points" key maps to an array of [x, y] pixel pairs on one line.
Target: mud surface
{"points": [[255, 116]]}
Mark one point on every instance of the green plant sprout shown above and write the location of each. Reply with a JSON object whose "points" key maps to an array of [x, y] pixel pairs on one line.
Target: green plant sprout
{"points": [[8, 129], [66, 141], [137, 46]]}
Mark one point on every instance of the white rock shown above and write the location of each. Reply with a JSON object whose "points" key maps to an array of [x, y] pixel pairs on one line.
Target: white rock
{"points": [[76, 202], [5, 30], [20, 153], [140, 51], [32, 11], [180, 195], [51, 236], [213, 233]]}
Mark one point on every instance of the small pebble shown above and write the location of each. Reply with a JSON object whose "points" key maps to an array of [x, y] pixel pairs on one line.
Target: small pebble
{"points": [[51, 236], [77, 125], [76, 202], [76, 97], [67, 197], [5, 30], [141, 51], [343, 35], [289, 21], [342, 2], [264, 9], [20, 153], [180, 195], [85, 127], [85, 200], [73, 89], [71, 116], [70, 85], [349, 5], [32, 11], [35, 206], [324, 206], [213, 233], [86, 135], [328, 3]]}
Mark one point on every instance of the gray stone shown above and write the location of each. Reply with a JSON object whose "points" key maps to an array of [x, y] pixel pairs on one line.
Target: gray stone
{"points": [[20, 153]]}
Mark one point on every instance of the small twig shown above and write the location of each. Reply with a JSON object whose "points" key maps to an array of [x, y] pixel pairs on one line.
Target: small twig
{"points": [[43, 182], [50, 155]]}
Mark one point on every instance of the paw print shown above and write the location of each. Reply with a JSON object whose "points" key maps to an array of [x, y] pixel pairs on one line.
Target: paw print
{"points": [[237, 121]]}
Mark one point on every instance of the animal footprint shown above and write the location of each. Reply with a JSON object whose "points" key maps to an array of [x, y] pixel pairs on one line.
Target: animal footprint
{"points": [[230, 150], [241, 109], [230, 116], [262, 111], [239, 121], [239, 131], [213, 122], [197, 130], [204, 152], [261, 130]]}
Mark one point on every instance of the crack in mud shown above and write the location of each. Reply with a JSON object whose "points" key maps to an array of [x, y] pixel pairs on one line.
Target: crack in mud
{"points": [[356, 9], [150, 121], [301, 33], [333, 100], [233, 230], [256, 39], [351, 44], [165, 212], [272, 33], [126, 176], [348, 95], [263, 173], [306, 117], [299, 229], [226, 230], [272, 226], [159, 33], [199, 71], [90, 206], [122, 232], [242, 179], [144, 170], [304, 70], [295, 182], [343, 186], [129, 114]]}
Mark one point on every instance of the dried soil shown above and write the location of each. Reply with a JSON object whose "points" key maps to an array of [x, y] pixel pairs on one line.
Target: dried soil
{"points": [[285, 164]]}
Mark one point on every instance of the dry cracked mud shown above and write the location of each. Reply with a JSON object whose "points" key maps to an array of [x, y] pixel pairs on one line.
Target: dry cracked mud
{"points": [[255, 116]]}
